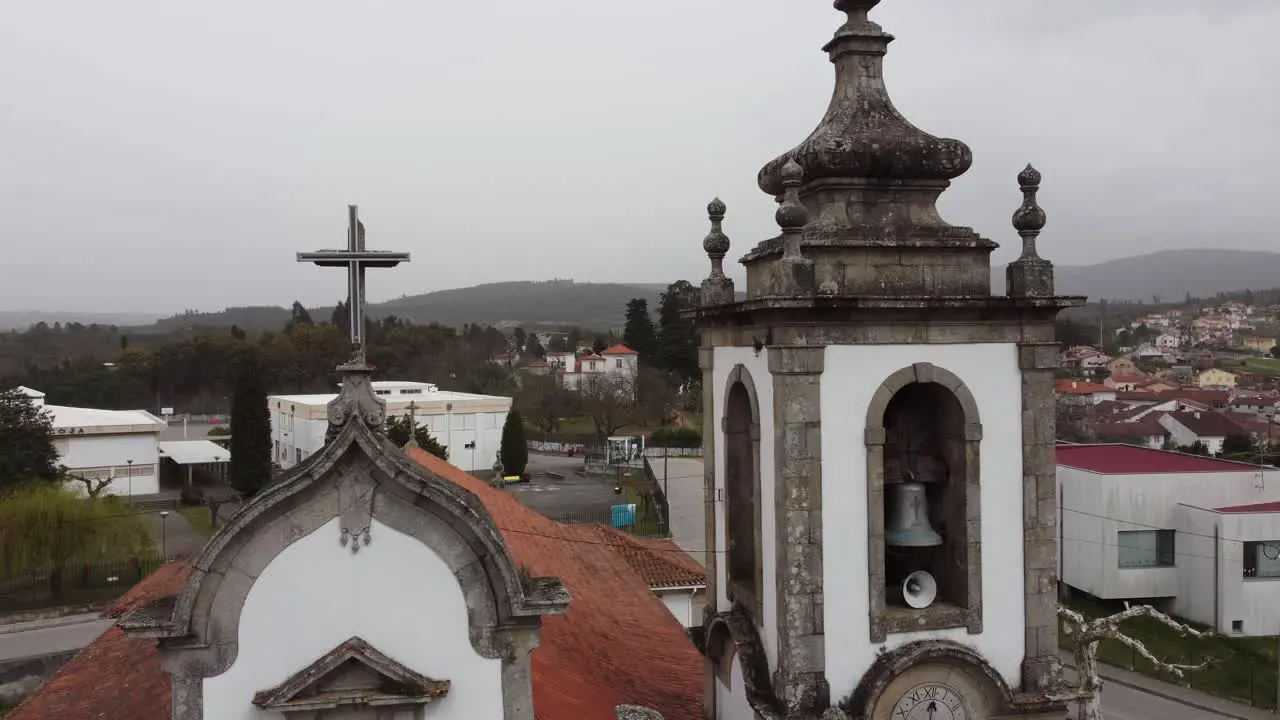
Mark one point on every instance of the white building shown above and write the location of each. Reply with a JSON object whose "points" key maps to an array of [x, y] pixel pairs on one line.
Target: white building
{"points": [[470, 426], [1229, 567], [577, 370], [119, 447], [1132, 528]]}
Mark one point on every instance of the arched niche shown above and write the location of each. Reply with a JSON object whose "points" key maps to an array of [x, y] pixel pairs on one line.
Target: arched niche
{"points": [[931, 663], [744, 542], [357, 477], [924, 421]]}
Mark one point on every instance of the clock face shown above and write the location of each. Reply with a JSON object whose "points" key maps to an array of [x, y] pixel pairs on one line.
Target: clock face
{"points": [[931, 701]]}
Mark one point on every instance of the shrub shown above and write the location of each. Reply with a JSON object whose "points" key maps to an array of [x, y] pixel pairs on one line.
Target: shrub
{"points": [[676, 438]]}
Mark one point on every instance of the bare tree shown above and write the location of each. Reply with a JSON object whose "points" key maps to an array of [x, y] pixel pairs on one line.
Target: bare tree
{"points": [[92, 487], [610, 401], [1087, 634]]}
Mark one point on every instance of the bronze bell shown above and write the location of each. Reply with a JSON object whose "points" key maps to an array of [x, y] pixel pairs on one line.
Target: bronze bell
{"points": [[907, 519]]}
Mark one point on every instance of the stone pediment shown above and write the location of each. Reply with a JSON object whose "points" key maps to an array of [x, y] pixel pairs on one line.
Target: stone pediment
{"points": [[354, 674]]}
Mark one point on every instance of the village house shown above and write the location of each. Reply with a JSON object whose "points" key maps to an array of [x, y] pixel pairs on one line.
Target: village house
{"points": [[1124, 366], [1082, 392], [1216, 379], [1258, 343], [578, 370], [1187, 427]]}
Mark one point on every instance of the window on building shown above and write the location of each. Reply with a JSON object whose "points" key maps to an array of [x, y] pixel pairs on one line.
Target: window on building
{"points": [[298, 455], [619, 362], [1262, 559], [1145, 548]]}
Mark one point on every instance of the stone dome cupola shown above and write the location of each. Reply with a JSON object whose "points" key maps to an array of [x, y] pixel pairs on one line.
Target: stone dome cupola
{"points": [[871, 181], [863, 135]]}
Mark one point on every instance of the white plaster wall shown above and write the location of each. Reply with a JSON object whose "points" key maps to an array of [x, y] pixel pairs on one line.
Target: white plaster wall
{"points": [[107, 451], [1096, 507], [316, 595], [454, 431], [731, 702], [758, 365], [680, 604], [1199, 567], [1255, 601], [852, 374]]}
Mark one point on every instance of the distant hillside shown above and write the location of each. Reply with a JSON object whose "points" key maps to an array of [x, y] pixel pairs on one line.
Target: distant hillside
{"points": [[1170, 274], [23, 319], [597, 306]]}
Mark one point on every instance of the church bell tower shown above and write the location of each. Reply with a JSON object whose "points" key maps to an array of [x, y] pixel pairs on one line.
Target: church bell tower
{"points": [[881, 494]]}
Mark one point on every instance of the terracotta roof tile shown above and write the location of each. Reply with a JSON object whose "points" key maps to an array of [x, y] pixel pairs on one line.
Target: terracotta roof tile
{"points": [[616, 644], [1079, 387], [1265, 507], [619, 350], [661, 563]]}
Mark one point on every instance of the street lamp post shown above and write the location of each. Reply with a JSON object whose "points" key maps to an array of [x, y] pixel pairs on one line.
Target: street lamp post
{"points": [[130, 464], [164, 534]]}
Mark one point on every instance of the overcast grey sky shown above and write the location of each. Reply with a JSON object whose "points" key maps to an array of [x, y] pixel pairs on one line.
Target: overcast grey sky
{"points": [[157, 155]]}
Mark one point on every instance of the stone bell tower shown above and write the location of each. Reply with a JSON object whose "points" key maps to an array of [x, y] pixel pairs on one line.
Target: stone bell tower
{"points": [[879, 433]]}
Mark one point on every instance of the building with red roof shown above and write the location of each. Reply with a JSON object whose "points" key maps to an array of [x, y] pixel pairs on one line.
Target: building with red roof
{"points": [[1125, 532], [368, 565]]}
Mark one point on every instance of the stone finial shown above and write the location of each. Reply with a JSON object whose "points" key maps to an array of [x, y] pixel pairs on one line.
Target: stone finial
{"points": [[717, 289], [1030, 275], [1029, 219], [356, 401], [716, 243], [791, 214], [796, 271]]}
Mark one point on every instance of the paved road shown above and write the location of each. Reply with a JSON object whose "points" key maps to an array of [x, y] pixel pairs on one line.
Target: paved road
{"points": [[588, 499], [1125, 703], [45, 641], [685, 495]]}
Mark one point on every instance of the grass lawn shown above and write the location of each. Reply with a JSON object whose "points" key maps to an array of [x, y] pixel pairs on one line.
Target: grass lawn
{"points": [[1270, 366], [199, 517], [1244, 668]]}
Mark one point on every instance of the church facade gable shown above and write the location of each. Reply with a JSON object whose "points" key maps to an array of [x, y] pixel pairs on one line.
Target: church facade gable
{"points": [[356, 541]]}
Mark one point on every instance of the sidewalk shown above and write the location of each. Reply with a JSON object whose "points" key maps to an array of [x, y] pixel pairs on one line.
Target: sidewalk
{"points": [[50, 622], [1176, 693]]}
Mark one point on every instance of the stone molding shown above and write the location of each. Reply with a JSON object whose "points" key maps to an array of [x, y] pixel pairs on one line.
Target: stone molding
{"points": [[754, 595], [892, 664], [881, 621], [199, 635]]}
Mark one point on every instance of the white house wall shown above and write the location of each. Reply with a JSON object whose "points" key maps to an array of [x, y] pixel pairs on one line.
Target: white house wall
{"points": [[315, 595], [731, 702], [1200, 567], [850, 378], [101, 453], [1096, 507], [1254, 601], [758, 366]]}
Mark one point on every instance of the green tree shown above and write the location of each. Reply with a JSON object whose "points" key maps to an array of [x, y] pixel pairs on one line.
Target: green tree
{"points": [[298, 315], [398, 433], [600, 345], [677, 335], [46, 526], [1237, 447], [515, 449], [250, 467], [534, 347], [26, 440], [638, 333]]}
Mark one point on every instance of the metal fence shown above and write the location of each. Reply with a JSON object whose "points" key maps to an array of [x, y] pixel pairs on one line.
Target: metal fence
{"points": [[644, 521], [74, 584]]}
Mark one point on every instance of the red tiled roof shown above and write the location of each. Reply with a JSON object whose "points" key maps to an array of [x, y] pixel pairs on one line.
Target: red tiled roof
{"points": [[616, 644], [1145, 396], [1145, 426], [1207, 424], [1079, 387], [619, 350], [660, 562], [1266, 507], [1208, 397], [1134, 460]]}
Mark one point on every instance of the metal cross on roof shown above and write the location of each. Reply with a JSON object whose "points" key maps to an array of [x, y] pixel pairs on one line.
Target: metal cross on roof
{"points": [[355, 258]]}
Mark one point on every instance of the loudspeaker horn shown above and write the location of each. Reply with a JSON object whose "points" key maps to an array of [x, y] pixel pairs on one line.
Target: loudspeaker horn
{"points": [[919, 589]]}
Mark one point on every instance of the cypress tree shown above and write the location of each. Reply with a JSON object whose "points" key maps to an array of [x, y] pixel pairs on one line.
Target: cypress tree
{"points": [[515, 450], [250, 467]]}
